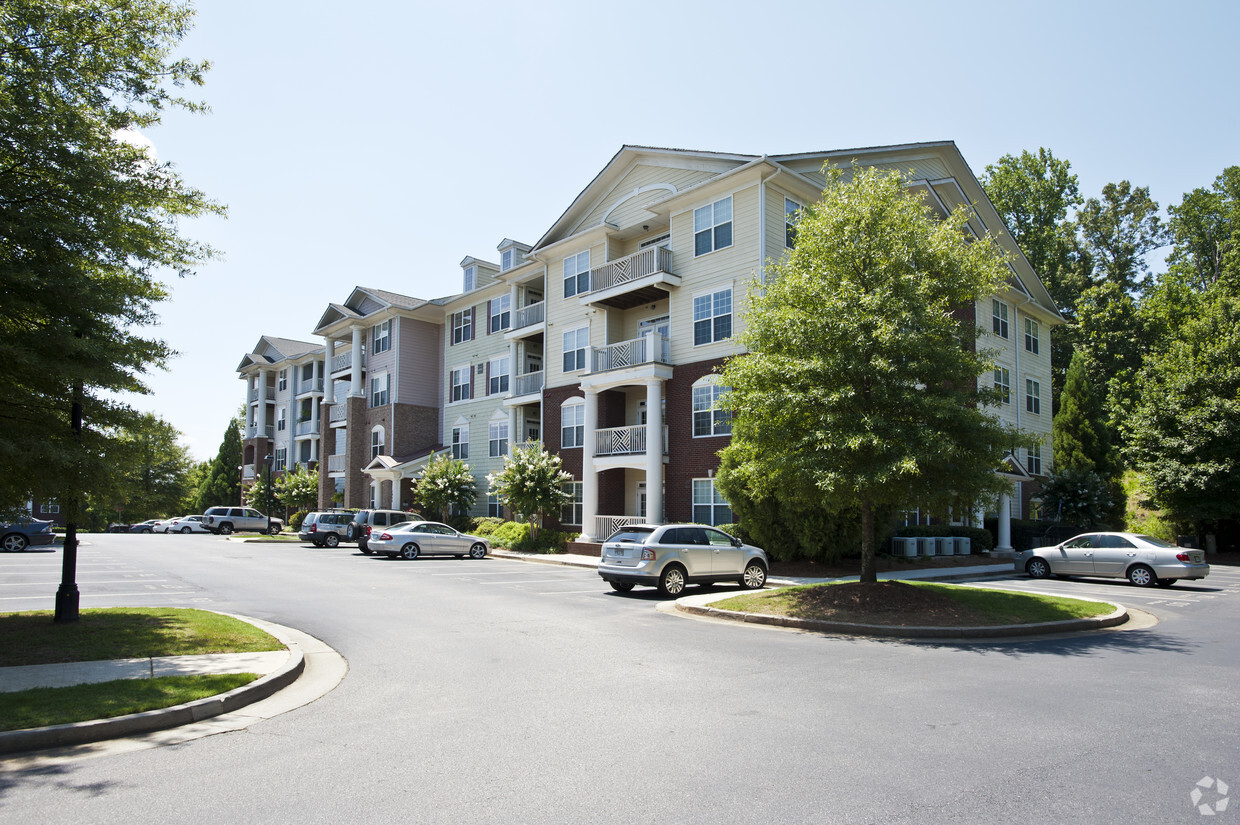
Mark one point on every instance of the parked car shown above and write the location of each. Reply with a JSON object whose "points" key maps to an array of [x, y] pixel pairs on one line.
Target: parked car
{"points": [[671, 556], [1143, 560], [186, 525], [18, 535], [225, 520], [326, 527], [147, 526], [426, 538], [117, 527], [162, 525], [366, 521]]}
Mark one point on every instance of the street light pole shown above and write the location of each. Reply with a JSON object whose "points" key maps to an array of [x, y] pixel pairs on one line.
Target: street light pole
{"points": [[268, 501]]}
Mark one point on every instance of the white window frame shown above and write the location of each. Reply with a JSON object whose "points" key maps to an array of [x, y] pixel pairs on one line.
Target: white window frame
{"points": [[1032, 336], [1033, 396], [572, 424], [471, 278], [506, 259], [497, 438], [460, 442], [281, 457], [495, 507], [461, 384], [709, 224], [999, 318], [501, 314], [500, 371], [49, 508], [381, 337], [580, 345], [705, 408], [1003, 383], [380, 390], [1034, 462], [707, 308], [463, 326], [282, 380], [282, 420], [378, 441], [577, 274], [791, 208], [712, 509], [572, 512]]}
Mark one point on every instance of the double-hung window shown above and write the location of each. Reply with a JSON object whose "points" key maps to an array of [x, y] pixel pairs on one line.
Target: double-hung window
{"points": [[712, 317], [376, 442], [460, 442], [709, 507], [791, 208], [381, 337], [575, 343], [282, 420], [571, 511], [471, 278], [463, 326], [712, 227], [498, 437], [708, 419], [999, 317], [1033, 396], [506, 260], [281, 458], [501, 313], [1003, 383], [495, 507], [572, 426], [498, 370], [1032, 334], [379, 390], [282, 381], [1034, 465], [577, 274], [462, 384]]}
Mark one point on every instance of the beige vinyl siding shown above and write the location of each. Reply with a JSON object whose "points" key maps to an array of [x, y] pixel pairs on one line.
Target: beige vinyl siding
{"points": [[629, 207], [420, 363], [927, 168]]}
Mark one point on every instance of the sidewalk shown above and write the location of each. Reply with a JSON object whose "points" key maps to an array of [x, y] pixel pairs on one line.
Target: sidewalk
{"points": [[82, 673]]}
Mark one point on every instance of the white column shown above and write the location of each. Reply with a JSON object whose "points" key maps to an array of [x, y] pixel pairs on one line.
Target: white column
{"points": [[513, 369], [1005, 524], [260, 420], [654, 452], [589, 478], [395, 502], [355, 377], [329, 386], [513, 440]]}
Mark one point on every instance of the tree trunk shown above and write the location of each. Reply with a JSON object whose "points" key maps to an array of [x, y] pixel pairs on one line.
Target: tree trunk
{"points": [[869, 567]]}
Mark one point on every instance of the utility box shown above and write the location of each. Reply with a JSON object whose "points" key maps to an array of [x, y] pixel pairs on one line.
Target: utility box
{"points": [[944, 547], [925, 546], [963, 546]]}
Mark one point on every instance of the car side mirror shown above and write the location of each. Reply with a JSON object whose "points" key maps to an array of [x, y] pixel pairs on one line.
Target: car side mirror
{"points": [[736, 542]]}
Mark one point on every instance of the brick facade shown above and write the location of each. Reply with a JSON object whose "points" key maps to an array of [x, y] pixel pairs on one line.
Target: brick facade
{"points": [[688, 457]]}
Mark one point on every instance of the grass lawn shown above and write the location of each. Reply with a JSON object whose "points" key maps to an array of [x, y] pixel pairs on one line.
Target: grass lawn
{"points": [[32, 638], [57, 706], [911, 604]]}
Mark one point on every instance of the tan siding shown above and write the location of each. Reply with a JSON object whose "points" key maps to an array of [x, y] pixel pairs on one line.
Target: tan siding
{"points": [[637, 178], [421, 359]]}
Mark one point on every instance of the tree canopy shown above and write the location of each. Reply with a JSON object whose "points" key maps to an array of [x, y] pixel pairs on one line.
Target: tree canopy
{"points": [[859, 389]]}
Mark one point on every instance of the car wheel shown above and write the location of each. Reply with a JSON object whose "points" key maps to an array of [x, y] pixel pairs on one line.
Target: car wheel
{"points": [[409, 551], [332, 540], [621, 587], [366, 551], [1038, 568], [1142, 576], [1166, 582], [274, 530], [185, 531], [754, 577], [148, 530], [478, 551], [15, 543], [672, 580], [225, 529]]}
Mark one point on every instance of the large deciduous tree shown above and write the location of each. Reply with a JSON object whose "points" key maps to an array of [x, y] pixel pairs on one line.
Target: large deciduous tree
{"points": [[859, 389], [89, 221]]}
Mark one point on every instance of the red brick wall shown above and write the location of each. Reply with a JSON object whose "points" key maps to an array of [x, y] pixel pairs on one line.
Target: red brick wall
{"points": [[688, 457]]}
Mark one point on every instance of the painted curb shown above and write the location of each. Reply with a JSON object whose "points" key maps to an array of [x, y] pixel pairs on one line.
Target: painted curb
{"points": [[80, 733], [1117, 617]]}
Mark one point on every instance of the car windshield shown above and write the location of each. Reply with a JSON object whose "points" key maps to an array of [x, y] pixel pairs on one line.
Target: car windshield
{"points": [[1154, 541], [634, 534]]}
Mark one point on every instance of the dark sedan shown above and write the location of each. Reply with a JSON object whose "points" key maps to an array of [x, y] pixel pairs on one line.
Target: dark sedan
{"points": [[19, 535]]}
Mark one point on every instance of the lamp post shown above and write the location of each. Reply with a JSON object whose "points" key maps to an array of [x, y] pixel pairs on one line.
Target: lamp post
{"points": [[268, 496]]}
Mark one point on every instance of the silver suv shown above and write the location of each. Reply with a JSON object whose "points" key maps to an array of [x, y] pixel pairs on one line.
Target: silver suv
{"points": [[225, 520], [673, 555], [325, 528], [366, 520]]}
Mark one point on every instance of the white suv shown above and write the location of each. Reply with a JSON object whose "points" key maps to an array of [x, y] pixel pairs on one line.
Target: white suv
{"points": [[671, 556], [225, 520]]}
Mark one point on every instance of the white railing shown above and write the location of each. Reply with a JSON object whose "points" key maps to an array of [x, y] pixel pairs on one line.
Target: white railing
{"points": [[340, 412], [529, 315], [649, 349], [604, 526], [335, 464], [247, 471], [310, 385], [305, 428], [631, 268], [254, 394], [252, 431], [344, 362], [620, 441], [529, 383]]}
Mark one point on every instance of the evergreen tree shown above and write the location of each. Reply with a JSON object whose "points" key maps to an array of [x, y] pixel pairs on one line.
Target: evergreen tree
{"points": [[222, 486], [1082, 439]]}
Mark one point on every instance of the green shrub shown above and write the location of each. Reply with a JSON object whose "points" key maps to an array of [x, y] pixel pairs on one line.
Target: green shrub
{"points": [[511, 534], [295, 520], [515, 535], [485, 526], [735, 530]]}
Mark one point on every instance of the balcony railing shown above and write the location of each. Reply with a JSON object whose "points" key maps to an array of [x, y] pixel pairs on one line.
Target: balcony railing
{"points": [[310, 385], [624, 440], [529, 383], [247, 471], [344, 362], [340, 412], [252, 431], [335, 463], [529, 315], [604, 526], [254, 394], [631, 268], [305, 428], [649, 349]]}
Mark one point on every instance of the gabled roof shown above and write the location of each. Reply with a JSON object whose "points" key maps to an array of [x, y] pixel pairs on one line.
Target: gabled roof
{"points": [[350, 309], [271, 350]]}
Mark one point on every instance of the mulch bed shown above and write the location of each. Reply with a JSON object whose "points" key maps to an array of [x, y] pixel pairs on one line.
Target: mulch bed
{"points": [[887, 603]]}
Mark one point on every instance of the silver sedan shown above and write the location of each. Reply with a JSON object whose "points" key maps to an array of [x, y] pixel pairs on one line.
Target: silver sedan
{"points": [[1143, 560], [411, 539]]}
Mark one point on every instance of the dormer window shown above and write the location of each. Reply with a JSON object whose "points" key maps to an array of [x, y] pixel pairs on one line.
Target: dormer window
{"points": [[507, 260], [471, 278]]}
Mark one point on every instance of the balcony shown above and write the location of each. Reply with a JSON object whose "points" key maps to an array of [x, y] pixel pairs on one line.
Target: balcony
{"points": [[604, 526], [528, 316], [340, 414], [310, 385], [644, 277], [623, 441], [335, 463], [253, 396], [305, 428], [528, 384], [649, 349], [252, 431], [344, 363]]}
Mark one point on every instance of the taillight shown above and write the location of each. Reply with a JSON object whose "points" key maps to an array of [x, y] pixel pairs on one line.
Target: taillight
{"points": [[1183, 557], [370, 529], [384, 537], [647, 554]]}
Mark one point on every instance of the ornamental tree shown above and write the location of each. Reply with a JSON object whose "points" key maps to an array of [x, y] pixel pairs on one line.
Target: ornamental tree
{"points": [[531, 483], [299, 489], [859, 389], [445, 482]]}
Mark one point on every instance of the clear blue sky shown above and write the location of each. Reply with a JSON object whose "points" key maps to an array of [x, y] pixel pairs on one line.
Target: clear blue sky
{"points": [[378, 143]]}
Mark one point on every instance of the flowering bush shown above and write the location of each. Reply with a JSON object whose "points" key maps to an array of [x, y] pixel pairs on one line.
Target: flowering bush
{"points": [[531, 483], [445, 483]]}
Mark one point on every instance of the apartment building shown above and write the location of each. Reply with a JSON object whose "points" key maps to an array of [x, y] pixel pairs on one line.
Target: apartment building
{"points": [[602, 338], [284, 385]]}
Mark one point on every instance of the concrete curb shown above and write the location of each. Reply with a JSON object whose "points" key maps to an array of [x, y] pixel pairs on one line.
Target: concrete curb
{"points": [[78, 733], [699, 606], [543, 559]]}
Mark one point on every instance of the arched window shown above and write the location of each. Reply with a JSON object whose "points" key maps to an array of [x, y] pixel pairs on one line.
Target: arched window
{"points": [[573, 423], [376, 441]]}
